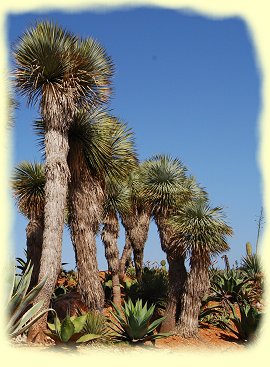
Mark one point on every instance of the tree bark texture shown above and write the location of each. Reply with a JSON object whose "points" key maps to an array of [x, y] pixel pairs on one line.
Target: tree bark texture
{"points": [[137, 228], [109, 236], [34, 239], [86, 198], [176, 273], [195, 287], [57, 176], [125, 258]]}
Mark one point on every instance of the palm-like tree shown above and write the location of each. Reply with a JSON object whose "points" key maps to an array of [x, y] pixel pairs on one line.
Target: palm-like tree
{"points": [[62, 73], [166, 187], [117, 201], [28, 181], [101, 149], [136, 221], [202, 232]]}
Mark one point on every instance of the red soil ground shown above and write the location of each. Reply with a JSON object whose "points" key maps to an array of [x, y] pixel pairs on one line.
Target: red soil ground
{"points": [[209, 337]]}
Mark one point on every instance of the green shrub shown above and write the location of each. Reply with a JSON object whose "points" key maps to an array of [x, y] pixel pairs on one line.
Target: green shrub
{"points": [[131, 272], [153, 288]]}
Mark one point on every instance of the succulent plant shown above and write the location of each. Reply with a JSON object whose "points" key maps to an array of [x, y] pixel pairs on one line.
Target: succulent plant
{"points": [[251, 266], [229, 287], [96, 323], [133, 323], [246, 326], [22, 314], [73, 329]]}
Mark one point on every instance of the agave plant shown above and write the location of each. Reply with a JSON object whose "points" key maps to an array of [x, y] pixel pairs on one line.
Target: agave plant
{"points": [[76, 329], [133, 323], [96, 324], [207, 312], [229, 287], [21, 312], [22, 263], [245, 326], [251, 266]]}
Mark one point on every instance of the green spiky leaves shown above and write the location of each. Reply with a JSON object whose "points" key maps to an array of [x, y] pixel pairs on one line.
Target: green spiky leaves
{"points": [[163, 179], [106, 143], [22, 314], [78, 329], [200, 228], [133, 322], [246, 325], [52, 62], [28, 181]]}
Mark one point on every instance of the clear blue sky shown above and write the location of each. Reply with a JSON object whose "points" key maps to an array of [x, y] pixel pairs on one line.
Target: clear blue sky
{"points": [[188, 86]]}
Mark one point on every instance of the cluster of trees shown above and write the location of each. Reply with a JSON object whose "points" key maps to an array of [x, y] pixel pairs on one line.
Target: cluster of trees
{"points": [[92, 178]]}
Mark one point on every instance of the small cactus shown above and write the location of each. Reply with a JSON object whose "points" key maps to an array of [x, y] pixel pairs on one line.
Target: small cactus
{"points": [[249, 249], [163, 263]]}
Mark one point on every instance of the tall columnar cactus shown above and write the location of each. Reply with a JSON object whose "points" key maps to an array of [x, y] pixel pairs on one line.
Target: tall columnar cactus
{"points": [[249, 249]]}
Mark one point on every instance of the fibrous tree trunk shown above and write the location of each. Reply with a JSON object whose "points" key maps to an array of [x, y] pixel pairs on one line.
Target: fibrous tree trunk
{"points": [[125, 258], [195, 287], [34, 239], [137, 227], [57, 176], [86, 197], [109, 236], [176, 273], [176, 276]]}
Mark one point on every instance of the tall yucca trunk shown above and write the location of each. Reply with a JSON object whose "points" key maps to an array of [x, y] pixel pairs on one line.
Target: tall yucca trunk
{"points": [[137, 231], [34, 239], [109, 236], [176, 273], [57, 175], [125, 258], [195, 287], [85, 205]]}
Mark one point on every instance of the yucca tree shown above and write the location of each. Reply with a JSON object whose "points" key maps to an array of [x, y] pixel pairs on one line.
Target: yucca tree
{"points": [[136, 221], [117, 201], [28, 181], [101, 149], [166, 187], [60, 72], [201, 231]]}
